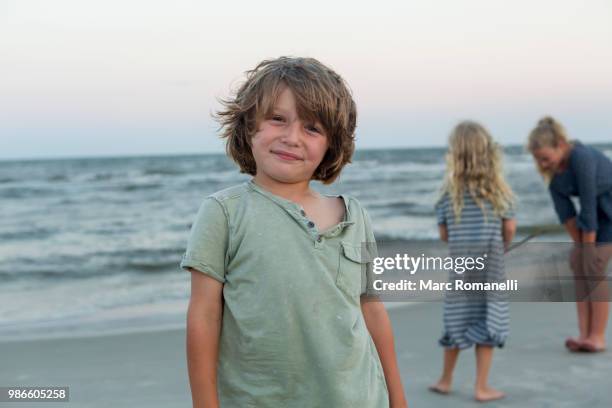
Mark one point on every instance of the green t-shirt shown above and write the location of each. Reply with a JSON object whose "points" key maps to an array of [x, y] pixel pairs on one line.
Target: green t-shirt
{"points": [[293, 334]]}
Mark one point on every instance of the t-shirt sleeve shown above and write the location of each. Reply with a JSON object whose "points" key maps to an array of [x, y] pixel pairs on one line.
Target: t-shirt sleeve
{"points": [[563, 205], [585, 168], [440, 209], [509, 213], [208, 241], [371, 248]]}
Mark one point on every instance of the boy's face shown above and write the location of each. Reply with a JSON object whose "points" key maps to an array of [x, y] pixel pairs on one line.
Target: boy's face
{"points": [[287, 149]]}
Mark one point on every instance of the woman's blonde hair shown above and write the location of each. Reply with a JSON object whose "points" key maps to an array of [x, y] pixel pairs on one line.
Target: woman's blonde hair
{"points": [[474, 165], [547, 133]]}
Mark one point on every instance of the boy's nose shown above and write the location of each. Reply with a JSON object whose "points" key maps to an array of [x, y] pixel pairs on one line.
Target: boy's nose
{"points": [[292, 133]]}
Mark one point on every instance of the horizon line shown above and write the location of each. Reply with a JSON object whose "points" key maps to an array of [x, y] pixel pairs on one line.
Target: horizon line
{"points": [[221, 152]]}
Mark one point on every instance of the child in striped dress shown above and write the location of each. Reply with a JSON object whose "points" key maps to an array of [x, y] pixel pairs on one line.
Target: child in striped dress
{"points": [[475, 217]]}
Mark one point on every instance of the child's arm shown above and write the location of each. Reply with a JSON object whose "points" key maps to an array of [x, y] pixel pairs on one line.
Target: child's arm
{"points": [[440, 209], [508, 230], [203, 329], [443, 232], [379, 326]]}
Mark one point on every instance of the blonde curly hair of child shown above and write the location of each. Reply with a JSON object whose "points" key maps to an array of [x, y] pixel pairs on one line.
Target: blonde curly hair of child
{"points": [[474, 165]]}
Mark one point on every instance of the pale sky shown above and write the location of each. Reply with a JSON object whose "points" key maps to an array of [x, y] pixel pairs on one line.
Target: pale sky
{"points": [[119, 77]]}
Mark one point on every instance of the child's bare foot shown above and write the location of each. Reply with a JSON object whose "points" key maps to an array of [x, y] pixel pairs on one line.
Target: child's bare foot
{"points": [[441, 387], [593, 345], [574, 344], [488, 394]]}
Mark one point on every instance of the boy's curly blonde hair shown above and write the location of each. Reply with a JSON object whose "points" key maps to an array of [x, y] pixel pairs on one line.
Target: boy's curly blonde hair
{"points": [[321, 95]]}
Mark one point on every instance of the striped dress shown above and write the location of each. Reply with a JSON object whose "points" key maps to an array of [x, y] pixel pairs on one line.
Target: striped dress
{"points": [[474, 318]]}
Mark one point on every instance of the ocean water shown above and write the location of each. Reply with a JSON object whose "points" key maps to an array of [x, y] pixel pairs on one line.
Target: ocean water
{"points": [[90, 245]]}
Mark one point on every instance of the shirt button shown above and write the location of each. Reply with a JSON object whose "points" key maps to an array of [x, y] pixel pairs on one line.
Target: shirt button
{"points": [[310, 224], [319, 239], [303, 213]]}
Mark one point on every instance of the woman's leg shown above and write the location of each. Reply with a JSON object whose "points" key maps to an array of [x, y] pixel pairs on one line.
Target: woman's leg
{"points": [[583, 309], [443, 385], [482, 390], [600, 306], [599, 321]]}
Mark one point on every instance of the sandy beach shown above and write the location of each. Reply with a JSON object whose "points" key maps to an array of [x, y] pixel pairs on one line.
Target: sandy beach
{"points": [[149, 370]]}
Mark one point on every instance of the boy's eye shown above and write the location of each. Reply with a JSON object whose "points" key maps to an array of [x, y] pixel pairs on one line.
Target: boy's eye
{"points": [[277, 118], [313, 128]]}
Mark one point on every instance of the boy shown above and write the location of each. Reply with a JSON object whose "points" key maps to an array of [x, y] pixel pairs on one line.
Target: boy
{"points": [[276, 316]]}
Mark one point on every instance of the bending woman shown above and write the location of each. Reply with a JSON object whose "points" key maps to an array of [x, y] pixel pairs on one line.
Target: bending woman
{"points": [[573, 169]]}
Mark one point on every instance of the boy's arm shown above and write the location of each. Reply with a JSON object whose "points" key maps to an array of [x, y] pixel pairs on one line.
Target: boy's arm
{"points": [[379, 326], [203, 329]]}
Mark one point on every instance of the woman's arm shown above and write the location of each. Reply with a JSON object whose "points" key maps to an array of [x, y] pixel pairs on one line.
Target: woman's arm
{"points": [[584, 165], [379, 326], [572, 229], [582, 255], [571, 226], [203, 330]]}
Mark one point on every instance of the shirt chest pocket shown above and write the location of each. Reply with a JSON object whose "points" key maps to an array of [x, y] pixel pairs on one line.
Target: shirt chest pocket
{"points": [[351, 275]]}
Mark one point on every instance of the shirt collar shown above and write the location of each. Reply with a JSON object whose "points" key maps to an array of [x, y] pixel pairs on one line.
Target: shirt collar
{"points": [[296, 210]]}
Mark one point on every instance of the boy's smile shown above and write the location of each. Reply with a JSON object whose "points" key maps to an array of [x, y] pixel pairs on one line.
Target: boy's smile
{"points": [[286, 148], [284, 155]]}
